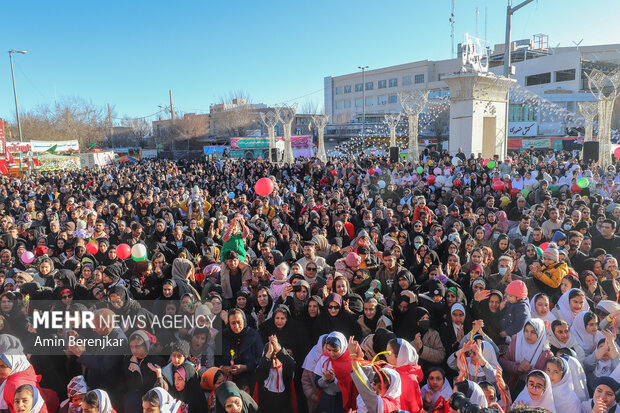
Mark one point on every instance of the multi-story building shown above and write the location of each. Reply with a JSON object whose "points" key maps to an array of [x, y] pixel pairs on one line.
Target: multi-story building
{"points": [[550, 82]]}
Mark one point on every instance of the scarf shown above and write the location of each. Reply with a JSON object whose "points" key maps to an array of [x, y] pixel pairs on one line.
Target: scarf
{"points": [[167, 404], [105, 406], [341, 367], [17, 363], [578, 376], [445, 392], [527, 351], [578, 330], [275, 382], [548, 319], [564, 396], [545, 401], [563, 307]]}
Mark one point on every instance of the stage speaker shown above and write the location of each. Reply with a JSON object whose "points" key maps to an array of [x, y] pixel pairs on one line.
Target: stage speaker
{"points": [[274, 154], [590, 151], [394, 154]]}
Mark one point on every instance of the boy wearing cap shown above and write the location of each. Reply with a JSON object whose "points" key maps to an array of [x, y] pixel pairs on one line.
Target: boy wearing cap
{"points": [[548, 277]]}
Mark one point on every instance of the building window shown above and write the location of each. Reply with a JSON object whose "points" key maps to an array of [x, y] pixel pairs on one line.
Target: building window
{"points": [[382, 84], [406, 80], [369, 102], [339, 90], [347, 103], [419, 79], [370, 85], [382, 100], [339, 104], [359, 87], [393, 82], [392, 99], [539, 79], [359, 103], [522, 113], [347, 89], [565, 75]]}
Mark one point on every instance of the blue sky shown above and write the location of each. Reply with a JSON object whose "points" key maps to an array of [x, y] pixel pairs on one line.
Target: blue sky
{"points": [[130, 53]]}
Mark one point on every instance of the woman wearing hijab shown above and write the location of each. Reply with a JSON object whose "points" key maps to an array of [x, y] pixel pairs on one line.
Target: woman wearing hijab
{"points": [[571, 303], [425, 339], [332, 376], [76, 390], [528, 350], [564, 396], [274, 376], [263, 304], [123, 305], [404, 358], [372, 317], [605, 399], [335, 318], [170, 293], [481, 363], [231, 399], [455, 328], [183, 273], [486, 306], [437, 391], [354, 302], [97, 401], [472, 391], [160, 399], [559, 337], [539, 308], [210, 380], [538, 392], [585, 331], [310, 388]]}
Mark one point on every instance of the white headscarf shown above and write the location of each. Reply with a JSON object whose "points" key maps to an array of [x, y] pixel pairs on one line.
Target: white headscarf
{"points": [[314, 354], [549, 318], [488, 352], [393, 391], [406, 354], [17, 363], [527, 351], [564, 396], [167, 403], [586, 340], [105, 406], [579, 377], [475, 394], [325, 361], [563, 307], [445, 392], [545, 401]]}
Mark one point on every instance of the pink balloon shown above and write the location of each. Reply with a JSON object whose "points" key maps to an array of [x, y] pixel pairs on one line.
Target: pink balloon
{"points": [[27, 257], [437, 171]]}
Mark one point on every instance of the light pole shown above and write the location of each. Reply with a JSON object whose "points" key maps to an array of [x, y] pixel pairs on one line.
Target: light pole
{"points": [[363, 102], [509, 12], [19, 125]]}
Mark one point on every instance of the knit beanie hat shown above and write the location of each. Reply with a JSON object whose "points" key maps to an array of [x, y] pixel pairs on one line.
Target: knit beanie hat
{"points": [[180, 346], [353, 260], [611, 383], [551, 253], [518, 289]]}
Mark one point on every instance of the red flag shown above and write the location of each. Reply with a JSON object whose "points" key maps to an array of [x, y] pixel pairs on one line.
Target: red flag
{"points": [[37, 162], [3, 168]]}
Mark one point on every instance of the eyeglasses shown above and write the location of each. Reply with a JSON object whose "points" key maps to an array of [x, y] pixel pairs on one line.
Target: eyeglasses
{"points": [[311, 268], [333, 307], [402, 236], [358, 276], [66, 296], [534, 386]]}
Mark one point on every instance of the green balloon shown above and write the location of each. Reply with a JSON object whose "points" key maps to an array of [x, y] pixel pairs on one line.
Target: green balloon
{"points": [[539, 251], [525, 192], [582, 183], [491, 164], [420, 170], [555, 190]]}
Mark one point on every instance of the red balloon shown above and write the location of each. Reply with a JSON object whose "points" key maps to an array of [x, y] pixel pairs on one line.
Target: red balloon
{"points": [[617, 153], [371, 171], [430, 179], [498, 185], [575, 189], [264, 187], [350, 229], [544, 246], [486, 161], [514, 192], [123, 251], [334, 172], [92, 248], [457, 182]]}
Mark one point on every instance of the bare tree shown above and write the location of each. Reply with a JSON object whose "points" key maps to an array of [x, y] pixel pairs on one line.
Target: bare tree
{"points": [[233, 116], [187, 129], [310, 107]]}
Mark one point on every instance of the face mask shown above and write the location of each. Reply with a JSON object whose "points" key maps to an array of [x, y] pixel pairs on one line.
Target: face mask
{"points": [[502, 271], [417, 245], [567, 227], [495, 236], [424, 325]]}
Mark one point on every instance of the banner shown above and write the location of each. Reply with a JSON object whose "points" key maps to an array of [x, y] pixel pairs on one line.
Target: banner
{"points": [[2, 139], [42, 146], [522, 129], [536, 143], [300, 142]]}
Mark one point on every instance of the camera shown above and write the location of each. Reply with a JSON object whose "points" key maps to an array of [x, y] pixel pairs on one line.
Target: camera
{"points": [[296, 288], [459, 402]]}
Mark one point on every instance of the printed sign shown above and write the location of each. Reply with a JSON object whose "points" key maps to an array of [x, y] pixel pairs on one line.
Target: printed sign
{"points": [[523, 129], [536, 143]]}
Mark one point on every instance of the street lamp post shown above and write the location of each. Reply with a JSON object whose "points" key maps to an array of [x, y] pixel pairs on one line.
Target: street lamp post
{"points": [[509, 12], [363, 102], [19, 125]]}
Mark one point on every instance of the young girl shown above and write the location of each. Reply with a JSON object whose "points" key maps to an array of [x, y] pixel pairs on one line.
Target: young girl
{"points": [[571, 303], [603, 361], [539, 308], [472, 391], [481, 361], [28, 400], [332, 376], [564, 397], [606, 397], [437, 391], [537, 393], [560, 338], [160, 399], [584, 329], [97, 401], [404, 358], [76, 390]]}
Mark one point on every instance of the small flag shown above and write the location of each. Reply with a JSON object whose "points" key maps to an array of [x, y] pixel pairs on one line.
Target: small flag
{"points": [[52, 149], [92, 145], [20, 161], [310, 125]]}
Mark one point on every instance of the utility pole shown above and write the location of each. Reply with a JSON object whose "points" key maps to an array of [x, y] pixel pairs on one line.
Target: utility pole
{"points": [[19, 125], [363, 103], [171, 107], [509, 12], [111, 124]]}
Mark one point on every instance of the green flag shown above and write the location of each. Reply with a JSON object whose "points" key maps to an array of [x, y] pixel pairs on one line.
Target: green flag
{"points": [[92, 145], [52, 149], [20, 161]]}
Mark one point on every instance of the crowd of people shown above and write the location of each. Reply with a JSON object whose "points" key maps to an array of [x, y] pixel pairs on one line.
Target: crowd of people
{"points": [[353, 285]]}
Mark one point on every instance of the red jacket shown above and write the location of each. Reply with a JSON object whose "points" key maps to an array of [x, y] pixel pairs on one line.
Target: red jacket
{"points": [[29, 376], [411, 398]]}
